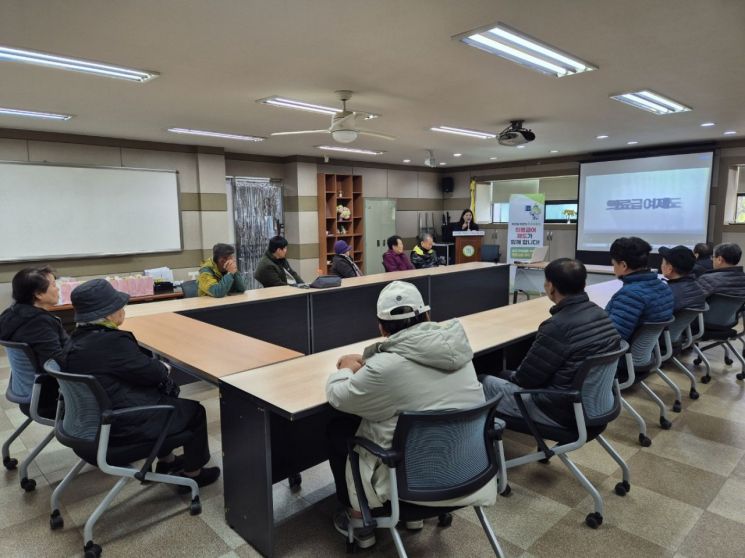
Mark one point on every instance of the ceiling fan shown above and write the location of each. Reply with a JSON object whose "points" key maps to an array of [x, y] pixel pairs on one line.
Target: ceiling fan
{"points": [[343, 127]]}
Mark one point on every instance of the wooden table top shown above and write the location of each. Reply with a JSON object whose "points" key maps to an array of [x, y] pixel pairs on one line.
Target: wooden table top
{"points": [[132, 300], [209, 350], [298, 386], [591, 268]]}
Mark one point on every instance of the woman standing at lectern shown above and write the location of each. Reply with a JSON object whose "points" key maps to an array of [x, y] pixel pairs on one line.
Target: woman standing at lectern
{"points": [[466, 222]]}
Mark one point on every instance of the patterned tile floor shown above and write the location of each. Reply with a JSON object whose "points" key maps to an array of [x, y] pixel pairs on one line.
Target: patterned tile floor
{"points": [[687, 498]]}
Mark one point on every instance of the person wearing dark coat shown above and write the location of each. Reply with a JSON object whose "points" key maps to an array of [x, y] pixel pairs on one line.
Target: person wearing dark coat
{"points": [[395, 259], [29, 321], [703, 252], [577, 329], [466, 222], [131, 377], [273, 269], [677, 267], [643, 297], [342, 265], [727, 277], [423, 255]]}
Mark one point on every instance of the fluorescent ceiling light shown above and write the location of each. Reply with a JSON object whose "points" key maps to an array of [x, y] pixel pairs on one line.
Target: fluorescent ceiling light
{"points": [[708, 124], [34, 114], [729, 133], [464, 132], [284, 102], [10, 54], [522, 49], [651, 102], [349, 150], [457, 154], [492, 158], [443, 164], [601, 136], [554, 151], [631, 142], [521, 147], [215, 134], [407, 160]]}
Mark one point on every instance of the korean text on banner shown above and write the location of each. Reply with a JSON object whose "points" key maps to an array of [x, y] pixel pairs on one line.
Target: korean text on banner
{"points": [[525, 232]]}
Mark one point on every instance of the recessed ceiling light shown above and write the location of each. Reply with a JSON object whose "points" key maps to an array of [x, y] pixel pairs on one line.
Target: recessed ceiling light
{"points": [[602, 136], [10, 54], [650, 102], [631, 142], [407, 160], [284, 102], [729, 133], [554, 151], [492, 158], [34, 114], [349, 150], [443, 164], [464, 132], [708, 124], [522, 49], [457, 154], [215, 134], [521, 147]]}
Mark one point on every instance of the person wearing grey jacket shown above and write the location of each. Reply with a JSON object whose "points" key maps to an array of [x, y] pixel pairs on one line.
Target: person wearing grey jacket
{"points": [[727, 277], [420, 365]]}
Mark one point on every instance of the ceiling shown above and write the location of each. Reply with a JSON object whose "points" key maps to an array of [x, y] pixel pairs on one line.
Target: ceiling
{"points": [[216, 58]]}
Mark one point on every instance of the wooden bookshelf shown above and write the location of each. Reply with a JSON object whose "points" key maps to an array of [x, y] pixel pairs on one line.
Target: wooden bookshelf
{"points": [[335, 190]]}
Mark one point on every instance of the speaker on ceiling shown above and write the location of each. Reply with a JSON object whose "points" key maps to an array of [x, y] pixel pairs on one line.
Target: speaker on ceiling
{"points": [[446, 184]]}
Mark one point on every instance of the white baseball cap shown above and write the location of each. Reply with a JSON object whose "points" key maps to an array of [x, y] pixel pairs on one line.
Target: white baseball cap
{"points": [[397, 294]]}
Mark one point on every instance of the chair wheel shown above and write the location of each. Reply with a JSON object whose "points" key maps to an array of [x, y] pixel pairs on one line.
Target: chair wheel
{"points": [[697, 361], [644, 440], [295, 481], [29, 485], [693, 394], [740, 376], [351, 547], [56, 521], [728, 361], [445, 520], [195, 508], [92, 550], [705, 379], [10, 463], [677, 407], [507, 491], [665, 424], [623, 488], [594, 520]]}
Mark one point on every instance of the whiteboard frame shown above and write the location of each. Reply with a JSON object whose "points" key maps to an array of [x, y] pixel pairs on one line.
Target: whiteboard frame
{"points": [[103, 254]]}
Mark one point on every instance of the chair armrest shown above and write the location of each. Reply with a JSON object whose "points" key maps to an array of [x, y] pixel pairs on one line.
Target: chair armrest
{"points": [[389, 457], [572, 395], [107, 417]]}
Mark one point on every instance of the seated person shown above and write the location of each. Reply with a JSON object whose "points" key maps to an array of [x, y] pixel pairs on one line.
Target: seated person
{"points": [[29, 321], [703, 253], [423, 255], [273, 269], [678, 268], [643, 297], [421, 365], [466, 222], [342, 264], [131, 377], [395, 259], [577, 329], [727, 277], [219, 275]]}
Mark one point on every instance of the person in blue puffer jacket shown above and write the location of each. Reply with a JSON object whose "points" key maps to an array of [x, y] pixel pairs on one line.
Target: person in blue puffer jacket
{"points": [[643, 296]]}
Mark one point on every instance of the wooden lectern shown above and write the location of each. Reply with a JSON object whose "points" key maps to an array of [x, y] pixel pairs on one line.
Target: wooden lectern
{"points": [[468, 246]]}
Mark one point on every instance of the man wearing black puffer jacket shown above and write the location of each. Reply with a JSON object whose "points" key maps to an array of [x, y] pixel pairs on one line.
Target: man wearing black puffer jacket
{"points": [[577, 329], [677, 267]]}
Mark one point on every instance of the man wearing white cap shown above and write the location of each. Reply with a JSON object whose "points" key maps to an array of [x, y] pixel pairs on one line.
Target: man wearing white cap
{"points": [[421, 365]]}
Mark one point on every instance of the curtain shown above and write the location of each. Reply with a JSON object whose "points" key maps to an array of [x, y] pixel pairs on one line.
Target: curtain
{"points": [[258, 216]]}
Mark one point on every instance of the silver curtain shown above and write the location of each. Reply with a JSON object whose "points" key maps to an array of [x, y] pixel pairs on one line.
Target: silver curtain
{"points": [[258, 215]]}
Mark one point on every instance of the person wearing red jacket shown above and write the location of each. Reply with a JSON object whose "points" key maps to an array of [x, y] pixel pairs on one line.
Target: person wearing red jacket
{"points": [[395, 259]]}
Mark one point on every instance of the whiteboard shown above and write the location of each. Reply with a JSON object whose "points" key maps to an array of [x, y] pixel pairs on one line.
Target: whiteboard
{"points": [[52, 211]]}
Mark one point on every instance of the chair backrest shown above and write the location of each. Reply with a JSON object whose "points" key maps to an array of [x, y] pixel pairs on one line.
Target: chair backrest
{"points": [[645, 343], [23, 370], [490, 253], [594, 381], [723, 311], [683, 319], [446, 454], [83, 402], [189, 288]]}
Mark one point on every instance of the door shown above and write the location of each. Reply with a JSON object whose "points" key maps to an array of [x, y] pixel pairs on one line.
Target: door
{"points": [[380, 223]]}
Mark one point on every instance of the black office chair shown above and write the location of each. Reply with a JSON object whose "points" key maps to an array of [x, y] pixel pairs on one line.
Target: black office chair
{"points": [[643, 358], [680, 337], [24, 388], [490, 253], [596, 400], [435, 455], [83, 423], [719, 326]]}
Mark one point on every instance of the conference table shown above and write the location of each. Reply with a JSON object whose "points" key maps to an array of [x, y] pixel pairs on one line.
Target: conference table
{"points": [[273, 418], [529, 277]]}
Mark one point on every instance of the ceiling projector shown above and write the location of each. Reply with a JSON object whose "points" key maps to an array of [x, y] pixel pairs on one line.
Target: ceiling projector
{"points": [[515, 134]]}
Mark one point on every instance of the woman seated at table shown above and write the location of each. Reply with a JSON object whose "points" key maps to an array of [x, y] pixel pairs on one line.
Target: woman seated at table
{"points": [[29, 321], [395, 259], [342, 264], [132, 378], [466, 222]]}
